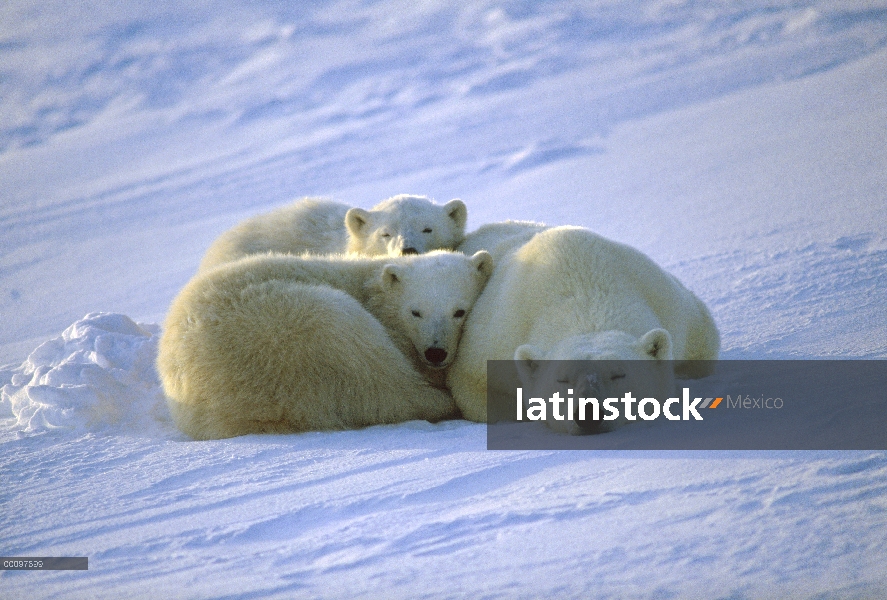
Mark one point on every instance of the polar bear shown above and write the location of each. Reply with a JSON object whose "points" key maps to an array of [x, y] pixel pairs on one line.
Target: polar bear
{"points": [[402, 224], [567, 293], [406, 225], [600, 365], [282, 343]]}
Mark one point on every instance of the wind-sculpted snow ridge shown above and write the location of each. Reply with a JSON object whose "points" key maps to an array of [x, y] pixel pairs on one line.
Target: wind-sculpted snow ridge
{"points": [[131, 68], [98, 376], [844, 302], [106, 62], [417, 511]]}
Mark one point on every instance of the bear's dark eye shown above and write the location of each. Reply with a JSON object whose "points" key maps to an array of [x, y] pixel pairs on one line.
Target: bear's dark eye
{"points": [[459, 314], [416, 313], [426, 230], [616, 376], [386, 235]]}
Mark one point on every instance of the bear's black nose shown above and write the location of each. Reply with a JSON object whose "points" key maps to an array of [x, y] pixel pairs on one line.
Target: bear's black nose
{"points": [[409, 251], [590, 426], [435, 355]]}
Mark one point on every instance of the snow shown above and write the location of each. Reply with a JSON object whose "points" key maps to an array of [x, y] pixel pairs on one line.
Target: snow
{"points": [[99, 374], [741, 145]]}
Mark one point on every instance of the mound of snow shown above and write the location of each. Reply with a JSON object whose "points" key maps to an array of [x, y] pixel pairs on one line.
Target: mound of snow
{"points": [[98, 376]]}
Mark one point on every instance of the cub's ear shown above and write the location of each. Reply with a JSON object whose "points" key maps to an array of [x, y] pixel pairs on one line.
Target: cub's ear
{"points": [[656, 343], [483, 262], [526, 359], [457, 211], [392, 275], [356, 220]]}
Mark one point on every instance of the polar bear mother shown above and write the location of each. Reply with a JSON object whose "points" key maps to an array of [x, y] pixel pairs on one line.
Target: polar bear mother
{"points": [[565, 293]]}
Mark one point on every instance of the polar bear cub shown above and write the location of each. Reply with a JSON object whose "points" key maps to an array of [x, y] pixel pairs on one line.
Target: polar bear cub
{"points": [[402, 224], [406, 225], [282, 343], [567, 293]]}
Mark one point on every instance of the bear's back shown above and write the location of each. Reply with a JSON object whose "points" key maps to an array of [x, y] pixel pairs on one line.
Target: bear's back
{"points": [[310, 225]]}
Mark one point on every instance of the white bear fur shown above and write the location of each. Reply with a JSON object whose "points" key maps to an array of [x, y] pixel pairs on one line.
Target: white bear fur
{"points": [[282, 343], [565, 293], [617, 370], [402, 224]]}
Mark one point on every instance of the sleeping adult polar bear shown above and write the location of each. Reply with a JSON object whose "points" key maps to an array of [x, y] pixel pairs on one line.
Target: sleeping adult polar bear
{"points": [[566, 293]]}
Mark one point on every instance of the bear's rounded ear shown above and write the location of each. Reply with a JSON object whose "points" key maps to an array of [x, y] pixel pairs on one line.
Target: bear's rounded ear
{"points": [[457, 211], [483, 262], [656, 343], [526, 359], [392, 275], [356, 220]]}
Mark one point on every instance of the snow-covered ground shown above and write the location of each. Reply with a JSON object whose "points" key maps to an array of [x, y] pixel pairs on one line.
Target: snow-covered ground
{"points": [[740, 144]]}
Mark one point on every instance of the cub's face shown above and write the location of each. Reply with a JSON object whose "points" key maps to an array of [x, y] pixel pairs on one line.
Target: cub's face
{"points": [[599, 365], [434, 294], [406, 225]]}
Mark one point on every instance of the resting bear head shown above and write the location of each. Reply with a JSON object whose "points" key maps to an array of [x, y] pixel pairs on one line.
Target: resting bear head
{"points": [[600, 365], [406, 225], [429, 298]]}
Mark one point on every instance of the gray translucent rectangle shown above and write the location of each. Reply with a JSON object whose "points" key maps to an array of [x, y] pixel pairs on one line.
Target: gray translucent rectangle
{"points": [[44, 563], [765, 405]]}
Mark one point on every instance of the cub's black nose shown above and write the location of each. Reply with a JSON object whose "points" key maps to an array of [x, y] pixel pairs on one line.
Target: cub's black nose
{"points": [[406, 251], [435, 355]]}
